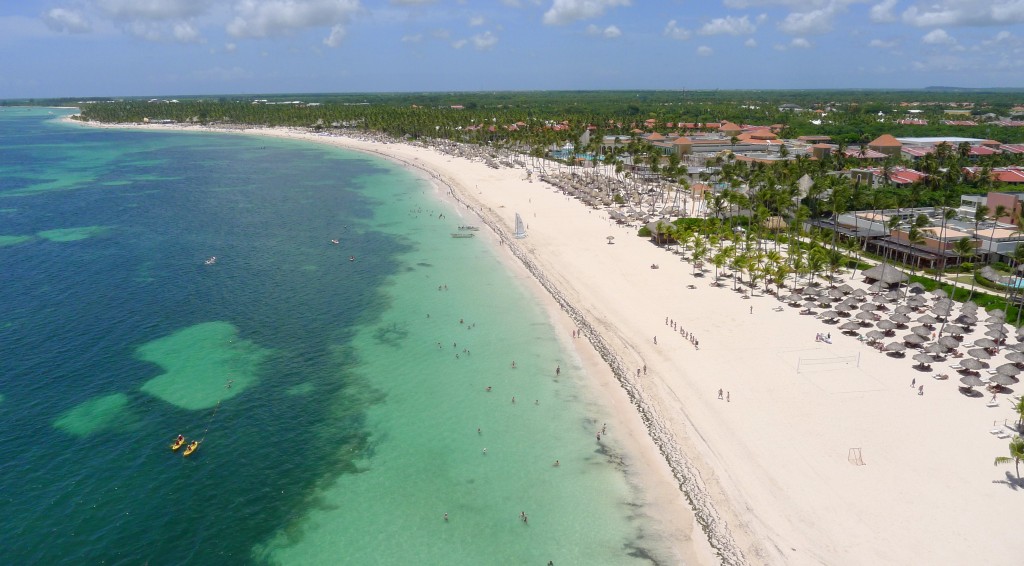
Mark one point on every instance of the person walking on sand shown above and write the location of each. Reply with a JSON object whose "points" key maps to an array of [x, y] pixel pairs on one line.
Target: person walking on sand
{"points": [[558, 370], [913, 382], [727, 397], [719, 393], [751, 309], [655, 339], [920, 390]]}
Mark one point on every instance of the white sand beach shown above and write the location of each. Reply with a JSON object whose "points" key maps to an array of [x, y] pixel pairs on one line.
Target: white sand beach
{"points": [[768, 472]]}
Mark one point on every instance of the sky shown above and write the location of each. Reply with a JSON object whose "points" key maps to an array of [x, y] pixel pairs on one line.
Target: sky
{"points": [[89, 48]]}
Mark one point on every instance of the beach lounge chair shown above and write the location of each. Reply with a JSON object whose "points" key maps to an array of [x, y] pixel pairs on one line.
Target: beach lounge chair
{"points": [[956, 367], [992, 404]]}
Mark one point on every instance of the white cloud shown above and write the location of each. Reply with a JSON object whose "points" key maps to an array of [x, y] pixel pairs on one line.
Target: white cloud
{"points": [[728, 25], [610, 32], [185, 32], [951, 13], [882, 12], [336, 36], [705, 51], [460, 43], [266, 18], [750, 42], [938, 37], [411, 2], [230, 47], [441, 34], [476, 21], [675, 32], [60, 19], [881, 44], [800, 43], [152, 9], [568, 11], [812, 22], [416, 38], [484, 41]]}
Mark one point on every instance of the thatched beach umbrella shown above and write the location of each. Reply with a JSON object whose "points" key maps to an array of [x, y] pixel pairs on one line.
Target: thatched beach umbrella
{"points": [[922, 331], [914, 339], [966, 319], [811, 291], [836, 293], [903, 309], [794, 298], [900, 318], [996, 316], [895, 347], [985, 343], [971, 364], [927, 319], [1002, 379], [885, 274], [849, 326], [948, 341], [877, 287], [829, 315], [954, 330], [996, 334], [867, 307], [972, 381], [886, 324], [809, 305], [866, 317], [1008, 369], [936, 348], [860, 293], [969, 306], [923, 359], [846, 306], [915, 288], [1016, 357], [845, 288], [917, 301], [939, 294], [979, 353], [892, 295], [875, 335]]}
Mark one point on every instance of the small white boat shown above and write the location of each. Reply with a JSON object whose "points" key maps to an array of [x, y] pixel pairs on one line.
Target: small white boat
{"points": [[211, 260]]}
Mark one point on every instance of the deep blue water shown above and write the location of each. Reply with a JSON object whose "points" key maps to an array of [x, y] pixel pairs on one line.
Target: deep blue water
{"points": [[72, 314]]}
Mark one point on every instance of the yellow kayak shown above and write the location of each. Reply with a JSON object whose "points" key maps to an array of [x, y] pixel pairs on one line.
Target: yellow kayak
{"points": [[177, 443], [191, 448]]}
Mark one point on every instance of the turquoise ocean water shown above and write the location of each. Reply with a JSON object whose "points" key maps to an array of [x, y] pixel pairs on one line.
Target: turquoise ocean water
{"points": [[342, 405]]}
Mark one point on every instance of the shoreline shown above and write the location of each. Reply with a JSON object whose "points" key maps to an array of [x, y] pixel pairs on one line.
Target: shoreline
{"points": [[766, 473]]}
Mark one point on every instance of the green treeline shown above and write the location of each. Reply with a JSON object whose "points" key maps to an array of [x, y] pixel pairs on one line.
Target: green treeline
{"points": [[847, 116]]}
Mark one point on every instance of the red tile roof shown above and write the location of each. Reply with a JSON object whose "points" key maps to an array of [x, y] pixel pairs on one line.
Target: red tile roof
{"points": [[885, 140]]}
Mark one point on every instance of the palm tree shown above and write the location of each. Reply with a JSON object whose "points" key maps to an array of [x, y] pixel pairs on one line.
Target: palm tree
{"points": [[1016, 454], [964, 248], [915, 238], [1001, 211]]}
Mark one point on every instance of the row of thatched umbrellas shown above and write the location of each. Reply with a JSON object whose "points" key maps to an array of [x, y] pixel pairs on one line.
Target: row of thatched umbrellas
{"points": [[869, 313]]}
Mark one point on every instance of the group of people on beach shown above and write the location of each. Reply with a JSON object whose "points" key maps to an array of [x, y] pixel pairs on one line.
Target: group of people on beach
{"points": [[671, 323]]}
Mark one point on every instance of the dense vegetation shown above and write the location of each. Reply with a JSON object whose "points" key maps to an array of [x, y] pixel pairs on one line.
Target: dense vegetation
{"points": [[850, 116]]}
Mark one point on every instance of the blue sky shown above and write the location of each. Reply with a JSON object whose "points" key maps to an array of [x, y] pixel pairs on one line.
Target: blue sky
{"points": [[163, 47]]}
